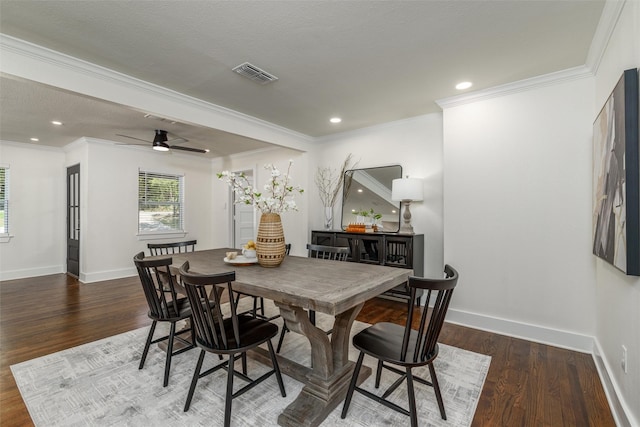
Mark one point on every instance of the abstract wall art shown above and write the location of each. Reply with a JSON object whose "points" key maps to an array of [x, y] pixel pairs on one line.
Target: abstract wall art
{"points": [[616, 178]]}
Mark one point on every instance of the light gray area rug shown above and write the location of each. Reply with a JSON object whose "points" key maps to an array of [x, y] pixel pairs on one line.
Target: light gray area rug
{"points": [[99, 384]]}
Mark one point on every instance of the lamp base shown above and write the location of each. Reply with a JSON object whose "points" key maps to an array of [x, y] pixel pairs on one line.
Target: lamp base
{"points": [[406, 227]]}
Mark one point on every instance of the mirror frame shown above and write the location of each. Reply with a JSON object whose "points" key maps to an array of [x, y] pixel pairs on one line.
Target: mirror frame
{"points": [[348, 181]]}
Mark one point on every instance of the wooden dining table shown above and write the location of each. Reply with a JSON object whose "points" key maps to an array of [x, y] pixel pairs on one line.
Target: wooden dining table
{"points": [[299, 284]]}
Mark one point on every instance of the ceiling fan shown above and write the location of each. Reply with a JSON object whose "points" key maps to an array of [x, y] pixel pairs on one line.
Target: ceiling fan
{"points": [[161, 142]]}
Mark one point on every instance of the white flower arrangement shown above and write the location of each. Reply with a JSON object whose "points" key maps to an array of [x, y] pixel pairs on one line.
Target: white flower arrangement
{"points": [[277, 196]]}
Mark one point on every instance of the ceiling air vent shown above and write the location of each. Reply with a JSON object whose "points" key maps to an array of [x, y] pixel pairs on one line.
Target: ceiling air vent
{"points": [[254, 73]]}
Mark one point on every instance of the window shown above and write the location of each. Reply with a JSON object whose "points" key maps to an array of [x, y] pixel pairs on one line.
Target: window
{"points": [[4, 200], [160, 203]]}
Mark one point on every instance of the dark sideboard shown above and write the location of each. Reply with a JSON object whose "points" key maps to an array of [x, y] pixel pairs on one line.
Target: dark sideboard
{"points": [[390, 249]]}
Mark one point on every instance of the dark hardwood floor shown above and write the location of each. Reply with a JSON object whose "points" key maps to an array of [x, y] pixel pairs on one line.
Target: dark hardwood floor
{"points": [[528, 384]]}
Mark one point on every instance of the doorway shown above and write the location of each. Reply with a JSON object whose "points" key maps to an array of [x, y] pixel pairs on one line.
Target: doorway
{"points": [[244, 217], [73, 220]]}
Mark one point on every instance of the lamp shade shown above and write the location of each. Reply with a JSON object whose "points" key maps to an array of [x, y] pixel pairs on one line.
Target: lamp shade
{"points": [[406, 189]]}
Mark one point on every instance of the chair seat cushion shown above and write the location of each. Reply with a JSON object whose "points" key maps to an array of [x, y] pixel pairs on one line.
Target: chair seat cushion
{"points": [[384, 341], [253, 331]]}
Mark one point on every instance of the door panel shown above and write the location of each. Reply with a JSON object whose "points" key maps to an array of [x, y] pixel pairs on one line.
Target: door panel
{"points": [[244, 225], [73, 220]]}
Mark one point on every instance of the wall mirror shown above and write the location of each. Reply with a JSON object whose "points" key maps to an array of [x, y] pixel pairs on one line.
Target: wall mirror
{"points": [[370, 188]]}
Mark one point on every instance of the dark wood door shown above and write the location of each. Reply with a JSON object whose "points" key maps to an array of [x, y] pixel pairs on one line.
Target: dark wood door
{"points": [[73, 220]]}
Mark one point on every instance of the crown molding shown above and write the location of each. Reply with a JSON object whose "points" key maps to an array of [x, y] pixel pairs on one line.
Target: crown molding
{"points": [[58, 60], [608, 21], [373, 128], [29, 145], [544, 80], [606, 26]]}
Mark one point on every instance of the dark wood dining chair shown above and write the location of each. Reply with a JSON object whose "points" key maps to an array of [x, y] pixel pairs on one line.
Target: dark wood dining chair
{"points": [[333, 253], [258, 302], [229, 335], [164, 306], [405, 347], [172, 248]]}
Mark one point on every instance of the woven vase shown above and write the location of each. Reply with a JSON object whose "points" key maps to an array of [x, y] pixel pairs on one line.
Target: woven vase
{"points": [[270, 247]]}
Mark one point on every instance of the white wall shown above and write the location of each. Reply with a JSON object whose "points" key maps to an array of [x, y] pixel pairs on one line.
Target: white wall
{"points": [[416, 145], [110, 208], [109, 204], [618, 296], [37, 211], [517, 208]]}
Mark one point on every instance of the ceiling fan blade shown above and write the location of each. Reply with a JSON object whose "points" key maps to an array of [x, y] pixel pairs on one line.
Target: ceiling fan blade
{"points": [[177, 138], [195, 150], [133, 137]]}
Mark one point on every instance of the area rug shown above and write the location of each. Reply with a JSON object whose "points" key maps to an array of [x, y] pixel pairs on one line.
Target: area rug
{"points": [[99, 384]]}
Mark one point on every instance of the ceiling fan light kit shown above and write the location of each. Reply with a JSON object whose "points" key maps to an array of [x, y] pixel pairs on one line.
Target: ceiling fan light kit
{"points": [[160, 146], [160, 141]]}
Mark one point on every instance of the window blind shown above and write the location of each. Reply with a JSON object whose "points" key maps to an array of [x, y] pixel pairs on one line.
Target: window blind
{"points": [[160, 202]]}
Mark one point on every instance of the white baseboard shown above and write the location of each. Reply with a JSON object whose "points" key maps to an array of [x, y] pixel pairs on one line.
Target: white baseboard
{"points": [[57, 269], [563, 339], [554, 337], [108, 275], [31, 272], [620, 410]]}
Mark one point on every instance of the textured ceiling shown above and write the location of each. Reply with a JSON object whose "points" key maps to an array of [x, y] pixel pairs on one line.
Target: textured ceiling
{"points": [[368, 62], [88, 117]]}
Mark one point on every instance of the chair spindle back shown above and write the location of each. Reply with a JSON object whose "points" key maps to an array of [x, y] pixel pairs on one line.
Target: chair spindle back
{"points": [[172, 248], [334, 253], [206, 312], [440, 292], [158, 285]]}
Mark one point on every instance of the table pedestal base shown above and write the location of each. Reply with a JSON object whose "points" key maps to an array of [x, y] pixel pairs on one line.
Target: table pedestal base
{"points": [[327, 381], [318, 399]]}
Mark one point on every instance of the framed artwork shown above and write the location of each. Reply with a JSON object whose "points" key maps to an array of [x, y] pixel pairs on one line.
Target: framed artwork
{"points": [[616, 178]]}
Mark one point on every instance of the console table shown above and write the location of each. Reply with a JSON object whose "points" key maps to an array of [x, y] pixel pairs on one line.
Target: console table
{"points": [[390, 249]]}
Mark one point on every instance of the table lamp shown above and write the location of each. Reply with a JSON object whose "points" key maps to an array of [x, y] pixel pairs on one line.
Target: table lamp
{"points": [[406, 190]]}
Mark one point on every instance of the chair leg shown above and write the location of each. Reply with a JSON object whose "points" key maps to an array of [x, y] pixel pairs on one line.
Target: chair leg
{"points": [[167, 363], [276, 368], [436, 388], [194, 380], [229, 396], [254, 312], [283, 331], [412, 399], [147, 344], [378, 373], [352, 386], [244, 363]]}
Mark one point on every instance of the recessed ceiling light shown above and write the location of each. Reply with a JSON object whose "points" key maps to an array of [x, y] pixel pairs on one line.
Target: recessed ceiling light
{"points": [[464, 85], [35, 139], [335, 119], [56, 122]]}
